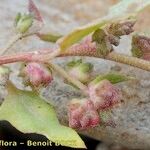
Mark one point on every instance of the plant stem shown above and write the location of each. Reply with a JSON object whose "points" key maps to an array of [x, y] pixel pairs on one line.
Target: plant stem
{"points": [[39, 57], [45, 57], [11, 43], [14, 40], [121, 58], [132, 61], [79, 50], [72, 80], [15, 58]]}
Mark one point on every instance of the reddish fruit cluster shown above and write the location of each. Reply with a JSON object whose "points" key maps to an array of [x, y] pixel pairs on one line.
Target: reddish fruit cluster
{"points": [[84, 113], [141, 46], [121, 28], [104, 94], [36, 74]]}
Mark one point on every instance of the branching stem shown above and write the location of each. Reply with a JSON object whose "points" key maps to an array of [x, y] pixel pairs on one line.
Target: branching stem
{"points": [[11, 43], [88, 49], [39, 57], [80, 50]]}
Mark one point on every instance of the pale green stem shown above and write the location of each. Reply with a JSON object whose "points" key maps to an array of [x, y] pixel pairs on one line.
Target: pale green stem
{"points": [[72, 80], [113, 56], [132, 61], [11, 43], [14, 40]]}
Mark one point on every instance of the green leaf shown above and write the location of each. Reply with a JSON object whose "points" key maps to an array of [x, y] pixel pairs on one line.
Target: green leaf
{"points": [[83, 66], [74, 63], [49, 37], [17, 18], [136, 52], [117, 11], [112, 77], [86, 67], [29, 113], [23, 22], [140, 45], [103, 45], [79, 33], [4, 70]]}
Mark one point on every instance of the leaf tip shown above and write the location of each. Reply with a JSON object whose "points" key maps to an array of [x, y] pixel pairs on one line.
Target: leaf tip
{"points": [[34, 10]]}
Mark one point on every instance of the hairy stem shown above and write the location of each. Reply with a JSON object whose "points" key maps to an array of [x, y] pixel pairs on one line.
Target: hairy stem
{"points": [[15, 58], [132, 61], [39, 57], [14, 40], [11, 43], [121, 58], [72, 80], [88, 49]]}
